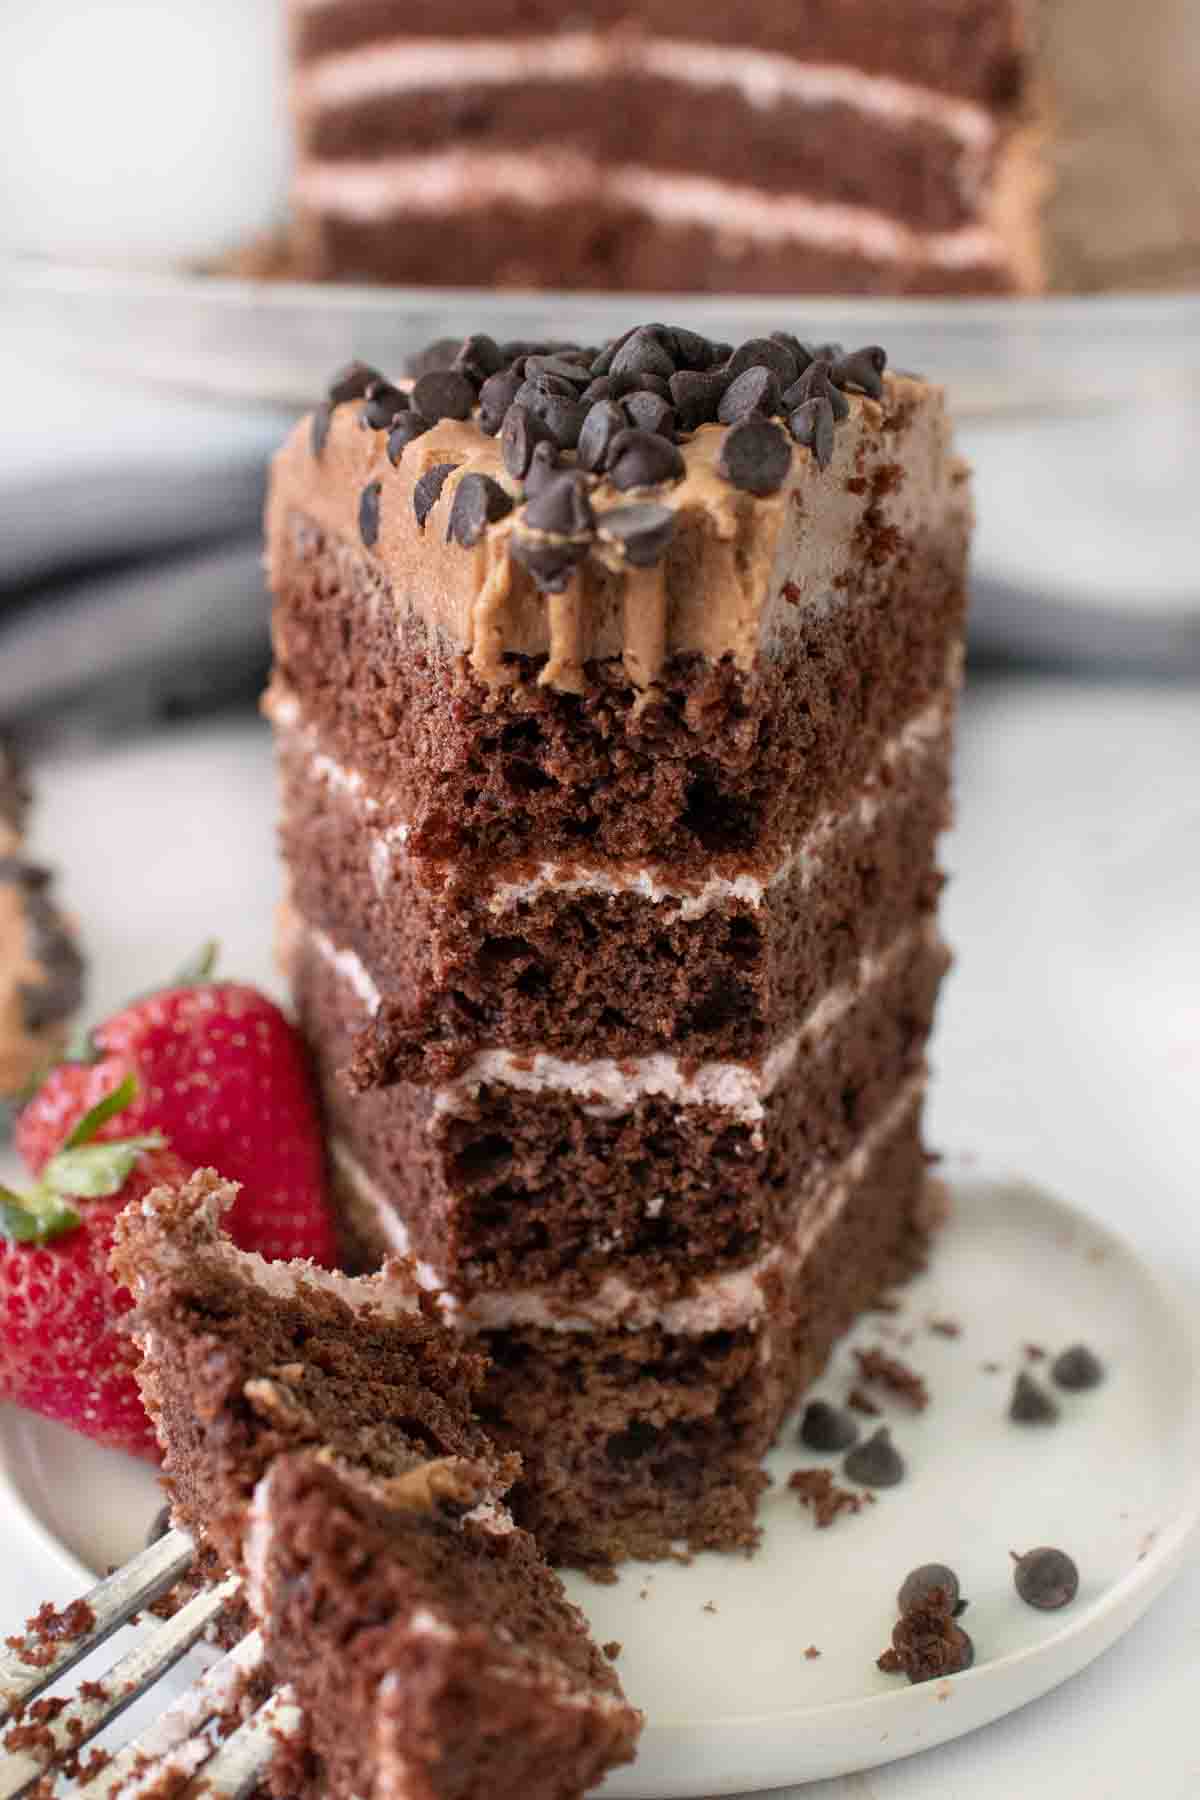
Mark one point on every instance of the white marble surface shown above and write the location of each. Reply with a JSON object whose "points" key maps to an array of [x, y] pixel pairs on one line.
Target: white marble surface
{"points": [[1068, 1048]]}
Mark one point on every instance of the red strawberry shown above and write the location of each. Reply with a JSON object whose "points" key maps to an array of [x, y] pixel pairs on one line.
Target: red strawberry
{"points": [[223, 1075], [62, 1350]]}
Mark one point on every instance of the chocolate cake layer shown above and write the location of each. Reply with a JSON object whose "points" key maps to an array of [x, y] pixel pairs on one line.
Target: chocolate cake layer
{"points": [[566, 956], [555, 1193], [918, 170], [637, 1442], [971, 48], [433, 1659], [245, 1359]]}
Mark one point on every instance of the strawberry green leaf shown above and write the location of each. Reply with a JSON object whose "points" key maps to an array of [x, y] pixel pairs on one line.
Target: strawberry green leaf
{"points": [[101, 1113], [94, 1170], [22, 1223], [199, 967]]}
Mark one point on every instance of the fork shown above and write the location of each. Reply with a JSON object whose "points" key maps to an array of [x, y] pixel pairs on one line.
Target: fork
{"points": [[185, 1742]]}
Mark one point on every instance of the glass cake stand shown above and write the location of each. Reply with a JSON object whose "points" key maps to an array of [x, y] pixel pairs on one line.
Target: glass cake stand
{"points": [[1079, 413]]}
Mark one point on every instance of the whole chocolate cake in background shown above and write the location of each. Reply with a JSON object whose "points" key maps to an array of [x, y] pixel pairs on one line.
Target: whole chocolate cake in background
{"points": [[816, 146], [614, 693]]}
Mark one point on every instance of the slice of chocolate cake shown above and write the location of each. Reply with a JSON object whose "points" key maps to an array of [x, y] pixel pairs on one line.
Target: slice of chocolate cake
{"points": [[434, 1658], [614, 692], [818, 146]]}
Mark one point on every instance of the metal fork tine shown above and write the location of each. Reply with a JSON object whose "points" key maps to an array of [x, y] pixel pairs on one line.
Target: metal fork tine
{"points": [[174, 1740], [87, 1714], [244, 1756], [32, 1666]]}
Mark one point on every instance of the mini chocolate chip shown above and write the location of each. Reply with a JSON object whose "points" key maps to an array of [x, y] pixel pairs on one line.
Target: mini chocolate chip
{"points": [[550, 565], [642, 459], [478, 502], [438, 355], [318, 435], [602, 425], [600, 389], [862, 369], [812, 426], [443, 394], [351, 383], [697, 394], [754, 391], [642, 354], [383, 402], [765, 353], [827, 1428], [876, 1463], [562, 506], [495, 397], [571, 372], [426, 492], [545, 464], [408, 426], [523, 432], [926, 1584], [479, 357], [368, 512], [1031, 1404], [755, 456], [1045, 1578], [815, 384], [692, 349], [1077, 1369], [650, 412], [643, 532]]}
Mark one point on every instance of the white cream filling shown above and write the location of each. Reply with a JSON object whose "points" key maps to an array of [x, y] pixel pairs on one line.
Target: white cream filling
{"points": [[349, 966], [445, 181], [764, 78]]}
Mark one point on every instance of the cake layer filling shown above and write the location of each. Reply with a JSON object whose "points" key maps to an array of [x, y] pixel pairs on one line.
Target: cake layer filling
{"points": [[451, 181], [972, 49], [511, 1189]]}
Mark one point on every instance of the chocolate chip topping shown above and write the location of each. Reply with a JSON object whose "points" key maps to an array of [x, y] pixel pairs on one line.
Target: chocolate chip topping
{"points": [[351, 383], [443, 394], [815, 384], [383, 402], [1031, 1404], [523, 432], [876, 1463], [478, 502], [643, 352], [812, 427], [1077, 1369], [697, 394], [642, 459], [479, 357], [495, 397], [827, 1428], [1045, 1578], [428, 488], [755, 391], [408, 426], [604, 422], [755, 456], [641, 532], [562, 507], [647, 411], [438, 355], [574, 374], [544, 466], [549, 564], [862, 369], [368, 513], [562, 416], [766, 353]]}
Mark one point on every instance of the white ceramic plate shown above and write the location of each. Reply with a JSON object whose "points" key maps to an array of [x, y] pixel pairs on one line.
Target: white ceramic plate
{"points": [[715, 1651]]}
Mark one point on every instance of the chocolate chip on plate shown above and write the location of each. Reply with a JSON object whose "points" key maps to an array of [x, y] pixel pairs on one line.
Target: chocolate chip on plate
{"points": [[495, 397], [604, 422], [408, 426], [754, 391], [443, 394], [642, 459], [1031, 1404], [876, 1463], [562, 506], [351, 383], [368, 513], [1077, 1369], [428, 488], [1045, 1578], [755, 456], [642, 531], [811, 424], [826, 1428], [932, 1585], [478, 502]]}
